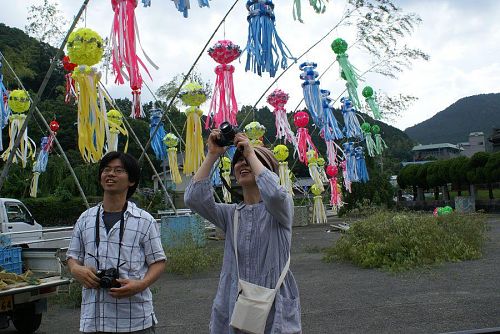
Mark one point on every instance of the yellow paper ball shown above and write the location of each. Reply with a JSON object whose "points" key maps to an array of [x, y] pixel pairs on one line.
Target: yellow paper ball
{"points": [[316, 190], [19, 101], [114, 117], [280, 152], [193, 94], [225, 163], [312, 156], [171, 140], [321, 162], [255, 130], [85, 47]]}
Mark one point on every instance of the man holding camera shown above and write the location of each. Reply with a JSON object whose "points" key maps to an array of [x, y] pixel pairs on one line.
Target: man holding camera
{"points": [[116, 254]]}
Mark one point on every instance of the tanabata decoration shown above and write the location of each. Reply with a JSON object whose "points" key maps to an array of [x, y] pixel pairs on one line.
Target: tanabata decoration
{"points": [[115, 121], [351, 91], [255, 131], [4, 106], [171, 141], [43, 157], [350, 160], [157, 142], [330, 128], [312, 164], [264, 46], [352, 128], [146, 3], [304, 140], [370, 144], [379, 142], [321, 168], [442, 211], [336, 194], [225, 167], [281, 154], [223, 107], [370, 100], [124, 37], [345, 176], [318, 6], [183, 6], [310, 88], [361, 171], [319, 213], [339, 46], [70, 83], [193, 96], [278, 99], [19, 103], [85, 48]]}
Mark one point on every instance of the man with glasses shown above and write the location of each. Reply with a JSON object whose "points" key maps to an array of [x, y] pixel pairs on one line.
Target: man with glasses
{"points": [[116, 254]]}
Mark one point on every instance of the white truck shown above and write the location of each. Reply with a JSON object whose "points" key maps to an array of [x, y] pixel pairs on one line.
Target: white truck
{"points": [[24, 304]]}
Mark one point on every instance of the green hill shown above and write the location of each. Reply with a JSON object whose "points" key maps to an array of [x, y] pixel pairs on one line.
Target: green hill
{"points": [[453, 124]]}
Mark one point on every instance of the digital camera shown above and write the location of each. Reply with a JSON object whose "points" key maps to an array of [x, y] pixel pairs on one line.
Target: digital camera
{"points": [[108, 278], [227, 133]]}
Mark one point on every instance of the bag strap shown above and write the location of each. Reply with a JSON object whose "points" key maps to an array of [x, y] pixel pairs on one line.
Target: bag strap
{"points": [[235, 242]]}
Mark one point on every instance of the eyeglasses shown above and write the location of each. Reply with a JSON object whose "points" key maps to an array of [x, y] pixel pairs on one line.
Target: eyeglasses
{"points": [[116, 170]]}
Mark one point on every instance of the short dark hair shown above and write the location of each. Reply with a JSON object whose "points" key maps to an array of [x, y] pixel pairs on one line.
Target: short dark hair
{"points": [[130, 164]]}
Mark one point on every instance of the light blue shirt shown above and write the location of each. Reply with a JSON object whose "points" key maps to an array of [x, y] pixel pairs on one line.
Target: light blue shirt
{"points": [[264, 240]]}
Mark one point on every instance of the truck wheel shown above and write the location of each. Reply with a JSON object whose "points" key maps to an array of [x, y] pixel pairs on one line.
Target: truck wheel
{"points": [[26, 320]]}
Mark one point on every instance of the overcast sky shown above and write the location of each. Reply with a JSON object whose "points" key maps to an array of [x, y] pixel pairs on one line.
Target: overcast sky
{"points": [[461, 37]]}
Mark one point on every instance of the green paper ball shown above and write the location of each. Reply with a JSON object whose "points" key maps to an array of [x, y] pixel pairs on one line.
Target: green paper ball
{"points": [[225, 163], [280, 152], [114, 117], [85, 47], [367, 92], [312, 156], [366, 127], [255, 130], [339, 46], [316, 190], [19, 101], [171, 140], [375, 129], [193, 94]]}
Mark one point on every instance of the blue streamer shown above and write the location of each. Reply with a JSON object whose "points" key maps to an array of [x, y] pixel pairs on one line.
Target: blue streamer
{"points": [[263, 40], [311, 90], [331, 129], [146, 3], [361, 170], [203, 3], [352, 128], [4, 107], [350, 159], [216, 171], [183, 6], [157, 143], [43, 157]]}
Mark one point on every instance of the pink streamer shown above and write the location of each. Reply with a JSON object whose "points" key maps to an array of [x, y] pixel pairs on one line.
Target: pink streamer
{"points": [[124, 50], [224, 106], [347, 183], [304, 143]]}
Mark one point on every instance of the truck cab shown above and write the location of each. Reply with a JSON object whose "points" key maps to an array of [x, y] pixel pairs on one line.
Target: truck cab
{"points": [[15, 217]]}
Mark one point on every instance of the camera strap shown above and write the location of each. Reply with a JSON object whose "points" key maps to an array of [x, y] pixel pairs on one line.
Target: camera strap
{"points": [[98, 235]]}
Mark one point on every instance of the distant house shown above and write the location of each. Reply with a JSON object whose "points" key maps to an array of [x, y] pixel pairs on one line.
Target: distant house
{"points": [[475, 144], [441, 151]]}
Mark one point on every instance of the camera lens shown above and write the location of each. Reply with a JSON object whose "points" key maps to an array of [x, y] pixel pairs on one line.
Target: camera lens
{"points": [[225, 127]]}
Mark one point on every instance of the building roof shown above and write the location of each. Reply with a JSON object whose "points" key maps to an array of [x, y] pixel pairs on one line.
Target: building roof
{"points": [[476, 134], [435, 146]]}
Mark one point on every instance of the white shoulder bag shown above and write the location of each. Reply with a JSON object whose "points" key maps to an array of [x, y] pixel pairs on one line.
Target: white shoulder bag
{"points": [[254, 301]]}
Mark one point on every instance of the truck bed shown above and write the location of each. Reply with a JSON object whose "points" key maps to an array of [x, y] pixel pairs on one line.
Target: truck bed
{"points": [[25, 287]]}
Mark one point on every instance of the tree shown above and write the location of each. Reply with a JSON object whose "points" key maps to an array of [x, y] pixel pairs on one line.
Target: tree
{"points": [[46, 23], [167, 91], [476, 172], [492, 170], [458, 172]]}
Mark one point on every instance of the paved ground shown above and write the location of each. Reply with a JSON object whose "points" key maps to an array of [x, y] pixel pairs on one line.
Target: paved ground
{"points": [[341, 298]]}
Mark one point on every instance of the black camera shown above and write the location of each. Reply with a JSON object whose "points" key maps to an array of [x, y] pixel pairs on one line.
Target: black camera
{"points": [[108, 278], [227, 133]]}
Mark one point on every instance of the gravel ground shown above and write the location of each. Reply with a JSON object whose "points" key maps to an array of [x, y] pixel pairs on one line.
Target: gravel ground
{"points": [[339, 297]]}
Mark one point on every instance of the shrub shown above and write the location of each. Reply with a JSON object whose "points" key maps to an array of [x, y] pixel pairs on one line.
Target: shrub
{"points": [[402, 241], [189, 258], [53, 211]]}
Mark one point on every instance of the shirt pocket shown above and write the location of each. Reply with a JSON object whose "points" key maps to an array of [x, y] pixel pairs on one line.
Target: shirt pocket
{"points": [[133, 258]]}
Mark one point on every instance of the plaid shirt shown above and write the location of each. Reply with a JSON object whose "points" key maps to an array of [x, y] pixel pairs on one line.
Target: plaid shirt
{"points": [[141, 247]]}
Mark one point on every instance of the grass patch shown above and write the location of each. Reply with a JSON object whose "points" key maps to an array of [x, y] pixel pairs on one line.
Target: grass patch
{"points": [[72, 298], [401, 241], [189, 258]]}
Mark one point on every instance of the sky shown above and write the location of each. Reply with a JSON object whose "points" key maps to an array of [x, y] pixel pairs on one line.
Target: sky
{"points": [[460, 36]]}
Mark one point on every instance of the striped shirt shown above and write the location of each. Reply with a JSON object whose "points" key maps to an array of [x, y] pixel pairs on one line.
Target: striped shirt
{"points": [[141, 247]]}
